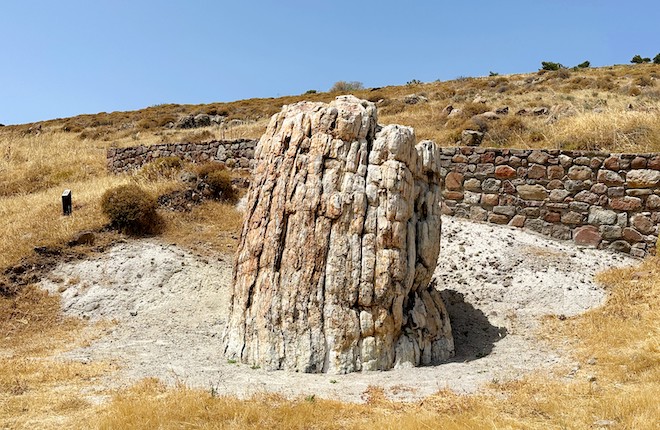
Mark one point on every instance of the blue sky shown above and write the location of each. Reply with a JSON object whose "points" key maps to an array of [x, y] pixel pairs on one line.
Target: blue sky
{"points": [[67, 57]]}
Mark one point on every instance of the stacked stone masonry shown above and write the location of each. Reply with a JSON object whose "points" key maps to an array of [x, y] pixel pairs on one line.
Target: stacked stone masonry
{"points": [[594, 198], [235, 154]]}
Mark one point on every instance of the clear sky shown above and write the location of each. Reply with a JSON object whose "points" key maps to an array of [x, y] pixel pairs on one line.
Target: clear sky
{"points": [[67, 57]]}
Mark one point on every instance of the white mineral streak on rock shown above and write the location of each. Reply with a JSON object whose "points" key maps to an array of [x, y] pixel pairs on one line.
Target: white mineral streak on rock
{"points": [[339, 243]]}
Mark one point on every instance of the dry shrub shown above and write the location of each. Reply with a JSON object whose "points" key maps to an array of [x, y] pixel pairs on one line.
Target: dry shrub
{"points": [[218, 178], [165, 167], [391, 107], [220, 183], [644, 81], [471, 109], [204, 169], [605, 83], [131, 209], [346, 87], [507, 131], [198, 136]]}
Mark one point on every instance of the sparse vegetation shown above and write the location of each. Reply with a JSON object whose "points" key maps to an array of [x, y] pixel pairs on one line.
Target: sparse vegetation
{"points": [[638, 59], [165, 167], [130, 209], [549, 65], [346, 87], [220, 183]]}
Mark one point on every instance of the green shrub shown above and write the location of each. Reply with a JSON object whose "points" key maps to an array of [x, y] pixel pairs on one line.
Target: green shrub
{"points": [[130, 209], [310, 92], [549, 65], [656, 59], [220, 183], [638, 59], [584, 65]]}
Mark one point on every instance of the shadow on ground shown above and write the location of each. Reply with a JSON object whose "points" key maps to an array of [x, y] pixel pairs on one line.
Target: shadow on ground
{"points": [[474, 335]]}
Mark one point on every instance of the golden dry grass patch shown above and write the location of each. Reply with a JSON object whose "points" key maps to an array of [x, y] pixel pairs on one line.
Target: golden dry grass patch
{"points": [[38, 390], [211, 227]]}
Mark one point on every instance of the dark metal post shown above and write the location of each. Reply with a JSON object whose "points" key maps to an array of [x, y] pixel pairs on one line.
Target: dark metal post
{"points": [[67, 205]]}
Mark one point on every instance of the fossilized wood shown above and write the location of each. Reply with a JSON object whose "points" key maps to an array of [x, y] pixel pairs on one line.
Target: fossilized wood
{"points": [[340, 240]]}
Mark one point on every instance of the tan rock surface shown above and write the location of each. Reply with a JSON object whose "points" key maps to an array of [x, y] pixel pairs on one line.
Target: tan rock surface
{"points": [[339, 243]]}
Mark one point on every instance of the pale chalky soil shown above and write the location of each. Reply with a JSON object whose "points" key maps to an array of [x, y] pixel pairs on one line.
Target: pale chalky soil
{"points": [[171, 308]]}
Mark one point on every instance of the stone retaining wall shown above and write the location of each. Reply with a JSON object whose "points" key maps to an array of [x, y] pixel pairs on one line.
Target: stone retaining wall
{"points": [[594, 198], [235, 154]]}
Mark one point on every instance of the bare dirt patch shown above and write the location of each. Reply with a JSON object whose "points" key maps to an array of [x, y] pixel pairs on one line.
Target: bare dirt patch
{"points": [[170, 309]]}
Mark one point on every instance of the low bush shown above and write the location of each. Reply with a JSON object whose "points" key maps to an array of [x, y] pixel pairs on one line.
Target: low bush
{"points": [[638, 59], [131, 209], [344, 86], [220, 184], [165, 167], [218, 179], [549, 65], [204, 169]]}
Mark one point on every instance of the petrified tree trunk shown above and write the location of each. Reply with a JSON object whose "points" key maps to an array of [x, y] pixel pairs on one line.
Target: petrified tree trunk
{"points": [[339, 243]]}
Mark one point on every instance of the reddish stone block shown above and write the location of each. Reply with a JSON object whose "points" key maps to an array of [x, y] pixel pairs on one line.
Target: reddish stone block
{"points": [[518, 221], [505, 172], [632, 235], [536, 171], [454, 181], [587, 235], [453, 195], [595, 163], [638, 163], [488, 157], [490, 199], [508, 187], [498, 219], [552, 217], [626, 203], [612, 163]]}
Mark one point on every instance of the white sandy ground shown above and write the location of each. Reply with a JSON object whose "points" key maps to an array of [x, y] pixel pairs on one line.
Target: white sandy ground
{"points": [[170, 309]]}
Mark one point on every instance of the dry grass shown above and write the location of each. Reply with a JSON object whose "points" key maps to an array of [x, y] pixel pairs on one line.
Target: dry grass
{"points": [[211, 227], [37, 390], [30, 162], [616, 131]]}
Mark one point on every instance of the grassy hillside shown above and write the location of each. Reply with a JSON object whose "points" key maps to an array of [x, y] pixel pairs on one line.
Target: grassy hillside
{"points": [[612, 108]]}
